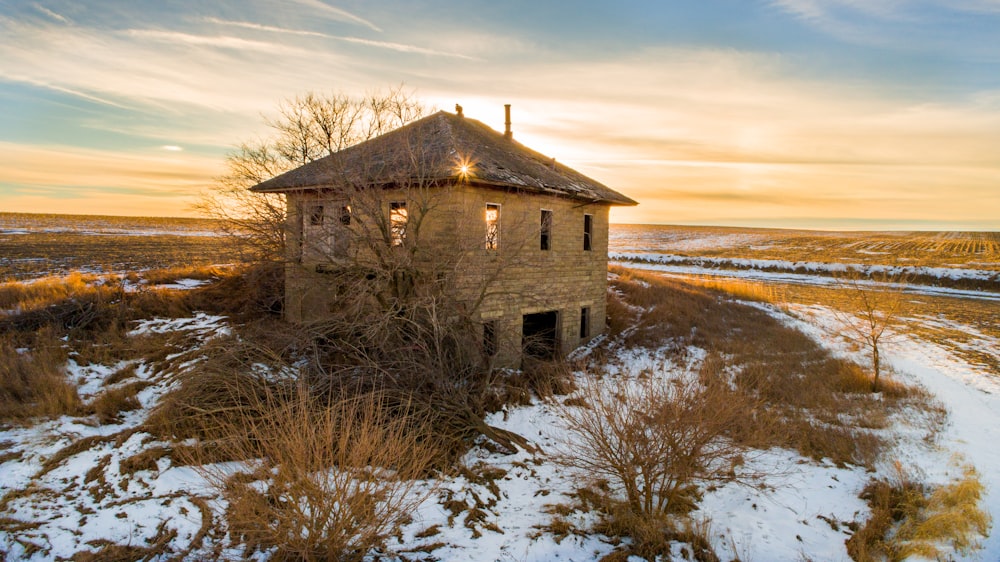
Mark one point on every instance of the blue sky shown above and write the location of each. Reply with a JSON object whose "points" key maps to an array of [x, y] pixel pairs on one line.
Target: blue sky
{"points": [[789, 113]]}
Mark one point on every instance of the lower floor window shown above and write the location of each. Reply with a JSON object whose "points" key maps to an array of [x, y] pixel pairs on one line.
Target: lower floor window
{"points": [[490, 338]]}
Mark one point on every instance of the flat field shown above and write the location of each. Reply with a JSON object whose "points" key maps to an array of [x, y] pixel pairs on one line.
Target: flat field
{"points": [[33, 245], [970, 250]]}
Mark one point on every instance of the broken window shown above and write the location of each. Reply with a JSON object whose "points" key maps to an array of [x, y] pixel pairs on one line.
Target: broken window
{"points": [[316, 215], [492, 226], [588, 231], [490, 338], [345, 215], [546, 239], [397, 222], [585, 322]]}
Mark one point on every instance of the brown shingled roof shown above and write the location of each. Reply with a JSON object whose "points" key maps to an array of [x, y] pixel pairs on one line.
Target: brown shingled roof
{"points": [[432, 149]]}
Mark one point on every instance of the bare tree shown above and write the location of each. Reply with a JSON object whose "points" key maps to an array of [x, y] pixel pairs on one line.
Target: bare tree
{"points": [[307, 127], [874, 303]]}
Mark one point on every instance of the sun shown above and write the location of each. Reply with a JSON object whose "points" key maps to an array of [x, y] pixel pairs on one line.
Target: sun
{"points": [[464, 167]]}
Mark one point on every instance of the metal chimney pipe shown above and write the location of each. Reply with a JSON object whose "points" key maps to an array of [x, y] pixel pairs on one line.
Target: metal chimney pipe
{"points": [[507, 134]]}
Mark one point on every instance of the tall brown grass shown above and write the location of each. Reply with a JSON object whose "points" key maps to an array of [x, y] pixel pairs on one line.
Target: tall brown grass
{"points": [[910, 519], [21, 296], [330, 478], [33, 382]]}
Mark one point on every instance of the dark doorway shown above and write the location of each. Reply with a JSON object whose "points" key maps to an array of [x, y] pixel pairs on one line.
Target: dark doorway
{"points": [[538, 340]]}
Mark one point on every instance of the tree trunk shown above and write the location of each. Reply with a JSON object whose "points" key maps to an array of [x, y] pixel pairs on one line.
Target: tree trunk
{"points": [[876, 367]]}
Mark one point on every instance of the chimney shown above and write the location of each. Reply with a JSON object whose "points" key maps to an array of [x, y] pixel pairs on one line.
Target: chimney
{"points": [[458, 110], [507, 134]]}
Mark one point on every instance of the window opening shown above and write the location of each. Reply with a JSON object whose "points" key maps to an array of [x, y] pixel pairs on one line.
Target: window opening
{"points": [[490, 338], [588, 231], [585, 322], [546, 238], [397, 222], [316, 215], [539, 340], [345, 215], [492, 226]]}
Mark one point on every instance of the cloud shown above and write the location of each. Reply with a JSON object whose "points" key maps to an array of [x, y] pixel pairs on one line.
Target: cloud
{"points": [[932, 26], [702, 135], [269, 28], [50, 13], [399, 47], [337, 13], [218, 41], [165, 70]]}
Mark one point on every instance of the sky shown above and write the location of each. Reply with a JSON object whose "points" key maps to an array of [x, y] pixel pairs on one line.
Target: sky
{"points": [[827, 114]]}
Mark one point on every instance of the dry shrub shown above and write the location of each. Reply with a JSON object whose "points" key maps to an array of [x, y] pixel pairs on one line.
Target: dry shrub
{"points": [[333, 478], [33, 383], [244, 292], [910, 519], [655, 441]]}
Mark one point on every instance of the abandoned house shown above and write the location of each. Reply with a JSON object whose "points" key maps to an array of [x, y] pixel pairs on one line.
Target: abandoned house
{"points": [[520, 240]]}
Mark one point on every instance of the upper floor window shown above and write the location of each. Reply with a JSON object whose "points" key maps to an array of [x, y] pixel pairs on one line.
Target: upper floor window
{"points": [[398, 218], [345, 215], [588, 232], [546, 230], [492, 226], [316, 215]]}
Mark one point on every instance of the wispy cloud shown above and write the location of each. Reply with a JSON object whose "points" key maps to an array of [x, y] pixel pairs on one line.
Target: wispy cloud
{"points": [[269, 28], [217, 41], [392, 46], [58, 17], [337, 13], [402, 47]]}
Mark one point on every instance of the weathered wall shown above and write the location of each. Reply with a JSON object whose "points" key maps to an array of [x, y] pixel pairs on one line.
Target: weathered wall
{"points": [[449, 225]]}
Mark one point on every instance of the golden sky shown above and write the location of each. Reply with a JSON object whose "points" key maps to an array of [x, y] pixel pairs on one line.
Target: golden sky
{"points": [[786, 113]]}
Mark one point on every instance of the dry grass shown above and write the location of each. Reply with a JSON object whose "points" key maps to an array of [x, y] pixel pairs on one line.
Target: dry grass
{"points": [[165, 275], [741, 289], [333, 479], [909, 519], [44, 292], [653, 538], [33, 382], [815, 403], [109, 405]]}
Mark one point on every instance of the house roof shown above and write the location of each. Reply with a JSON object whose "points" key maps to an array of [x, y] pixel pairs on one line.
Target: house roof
{"points": [[433, 150]]}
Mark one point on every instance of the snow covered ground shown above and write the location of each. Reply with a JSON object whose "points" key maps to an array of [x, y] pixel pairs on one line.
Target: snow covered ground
{"points": [[101, 492]]}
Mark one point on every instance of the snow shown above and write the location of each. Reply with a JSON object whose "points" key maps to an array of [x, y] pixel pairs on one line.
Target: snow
{"points": [[756, 270], [953, 273], [88, 498]]}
